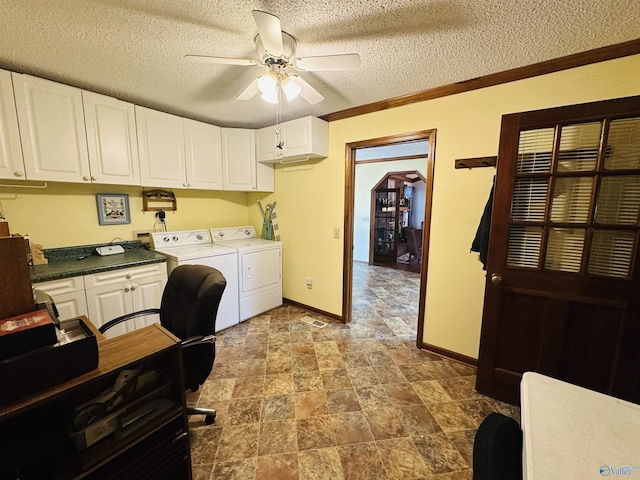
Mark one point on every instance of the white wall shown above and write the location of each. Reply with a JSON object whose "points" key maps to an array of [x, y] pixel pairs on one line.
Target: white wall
{"points": [[367, 176]]}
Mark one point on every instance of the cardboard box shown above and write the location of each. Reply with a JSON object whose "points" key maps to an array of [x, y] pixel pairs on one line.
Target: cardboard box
{"points": [[25, 332], [44, 367], [16, 296]]}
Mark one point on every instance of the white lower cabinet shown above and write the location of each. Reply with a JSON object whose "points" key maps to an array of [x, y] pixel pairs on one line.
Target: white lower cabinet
{"points": [[68, 296], [118, 292]]}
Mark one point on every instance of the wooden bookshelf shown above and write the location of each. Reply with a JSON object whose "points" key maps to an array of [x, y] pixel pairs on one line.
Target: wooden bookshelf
{"points": [[34, 429]]}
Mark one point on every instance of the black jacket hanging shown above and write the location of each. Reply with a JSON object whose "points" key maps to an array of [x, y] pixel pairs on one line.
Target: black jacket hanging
{"points": [[481, 241]]}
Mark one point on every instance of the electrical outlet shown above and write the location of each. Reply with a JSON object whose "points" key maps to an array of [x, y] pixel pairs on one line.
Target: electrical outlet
{"points": [[309, 282], [336, 232]]}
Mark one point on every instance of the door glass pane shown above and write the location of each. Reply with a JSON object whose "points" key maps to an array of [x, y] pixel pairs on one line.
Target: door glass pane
{"points": [[534, 151], [611, 252], [623, 144], [571, 200], [579, 147], [564, 249], [529, 199], [619, 200], [524, 246]]}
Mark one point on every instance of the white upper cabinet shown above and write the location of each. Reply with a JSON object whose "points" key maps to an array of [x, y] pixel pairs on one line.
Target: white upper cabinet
{"points": [[51, 120], [203, 152], [111, 139], [161, 149], [299, 140], [11, 164], [238, 159]]}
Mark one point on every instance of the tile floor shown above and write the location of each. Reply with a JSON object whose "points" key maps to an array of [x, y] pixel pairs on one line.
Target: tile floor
{"points": [[355, 401]]}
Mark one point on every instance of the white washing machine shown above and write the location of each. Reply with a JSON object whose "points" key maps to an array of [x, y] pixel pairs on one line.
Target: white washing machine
{"points": [[259, 268], [194, 247]]}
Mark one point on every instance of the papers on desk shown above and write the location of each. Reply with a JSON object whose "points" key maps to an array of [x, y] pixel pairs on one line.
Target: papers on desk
{"points": [[570, 432]]}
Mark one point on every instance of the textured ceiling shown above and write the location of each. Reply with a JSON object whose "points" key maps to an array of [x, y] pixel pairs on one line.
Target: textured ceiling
{"points": [[133, 49]]}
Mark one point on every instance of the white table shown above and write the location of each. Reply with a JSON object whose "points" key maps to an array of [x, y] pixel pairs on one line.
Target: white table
{"points": [[570, 432]]}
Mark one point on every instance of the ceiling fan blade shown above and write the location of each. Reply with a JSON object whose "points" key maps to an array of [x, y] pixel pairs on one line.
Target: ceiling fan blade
{"points": [[349, 61], [221, 60], [249, 92], [307, 92], [270, 32]]}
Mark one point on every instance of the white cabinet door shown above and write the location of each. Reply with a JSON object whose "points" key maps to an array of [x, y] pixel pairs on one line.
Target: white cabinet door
{"points": [[11, 164], [147, 293], [68, 296], [267, 144], [297, 137], [299, 140], [111, 139], [203, 155], [160, 148], [118, 292], [108, 302], [51, 119], [238, 159]]}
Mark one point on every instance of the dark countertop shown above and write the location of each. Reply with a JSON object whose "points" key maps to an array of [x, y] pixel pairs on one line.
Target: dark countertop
{"points": [[64, 263]]}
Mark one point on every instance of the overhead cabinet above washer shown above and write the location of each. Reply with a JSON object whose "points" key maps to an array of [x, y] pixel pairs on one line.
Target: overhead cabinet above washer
{"points": [[298, 141]]}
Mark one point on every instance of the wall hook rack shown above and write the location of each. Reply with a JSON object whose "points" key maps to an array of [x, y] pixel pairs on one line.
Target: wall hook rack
{"points": [[476, 162], [153, 200]]}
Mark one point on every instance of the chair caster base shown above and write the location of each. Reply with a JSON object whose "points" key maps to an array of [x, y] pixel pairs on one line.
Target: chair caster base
{"points": [[209, 419]]}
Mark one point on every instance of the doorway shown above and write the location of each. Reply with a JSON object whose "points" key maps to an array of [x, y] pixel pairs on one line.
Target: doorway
{"points": [[425, 138]]}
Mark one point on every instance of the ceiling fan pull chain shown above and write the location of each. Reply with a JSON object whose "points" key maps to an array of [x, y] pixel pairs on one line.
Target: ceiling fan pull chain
{"points": [[279, 142]]}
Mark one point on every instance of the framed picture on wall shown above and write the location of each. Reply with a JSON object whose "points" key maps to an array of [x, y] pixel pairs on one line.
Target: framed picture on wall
{"points": [[113, 208]]}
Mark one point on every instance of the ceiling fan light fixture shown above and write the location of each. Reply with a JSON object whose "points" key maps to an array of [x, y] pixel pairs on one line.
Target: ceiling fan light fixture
{"points": [[268, 84], [290, 88], [271, 97]]}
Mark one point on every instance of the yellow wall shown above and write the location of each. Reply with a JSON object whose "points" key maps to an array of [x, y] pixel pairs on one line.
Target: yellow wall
{"points": [[310, 197], [65, 214], [310, 201]]}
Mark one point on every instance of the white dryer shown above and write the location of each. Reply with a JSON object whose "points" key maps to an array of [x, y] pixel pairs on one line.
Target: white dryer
{"points": [[194, 247], [259, 268]]}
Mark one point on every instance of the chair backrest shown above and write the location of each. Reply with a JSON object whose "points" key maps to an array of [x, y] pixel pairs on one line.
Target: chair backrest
{"points": [[497, 449], [189, 308], [414, 241]]}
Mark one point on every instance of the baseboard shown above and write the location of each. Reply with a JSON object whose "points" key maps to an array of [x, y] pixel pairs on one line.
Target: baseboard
{"points": [[312, 309], [449, 354]]}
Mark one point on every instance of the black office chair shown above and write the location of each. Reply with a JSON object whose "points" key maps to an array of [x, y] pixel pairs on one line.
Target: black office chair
{"points": [[188, 309], [497, 449]]}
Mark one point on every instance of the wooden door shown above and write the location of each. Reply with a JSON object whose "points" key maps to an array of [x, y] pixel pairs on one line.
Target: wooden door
{"points": [[384, 228], [563, 292]]}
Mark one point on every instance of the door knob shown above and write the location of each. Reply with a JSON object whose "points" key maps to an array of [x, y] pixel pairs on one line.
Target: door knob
{"points": [[495, 278]]}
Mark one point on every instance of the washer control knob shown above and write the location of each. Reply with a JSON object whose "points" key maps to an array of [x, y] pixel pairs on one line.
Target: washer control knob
{"points": [[247, 233], [199, 236], [165, 239], [175, 238]]}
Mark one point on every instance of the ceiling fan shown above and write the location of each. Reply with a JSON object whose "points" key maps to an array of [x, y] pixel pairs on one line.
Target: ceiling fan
{"points": [[276, 51]]}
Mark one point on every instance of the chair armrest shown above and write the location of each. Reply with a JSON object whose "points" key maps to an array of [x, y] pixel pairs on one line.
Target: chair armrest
{"points": [[128, 316], [198, 340]]}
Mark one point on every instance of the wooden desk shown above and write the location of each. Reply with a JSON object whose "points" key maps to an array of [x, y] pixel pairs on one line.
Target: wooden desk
{"points": [[572, 432], [157, 450]]}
